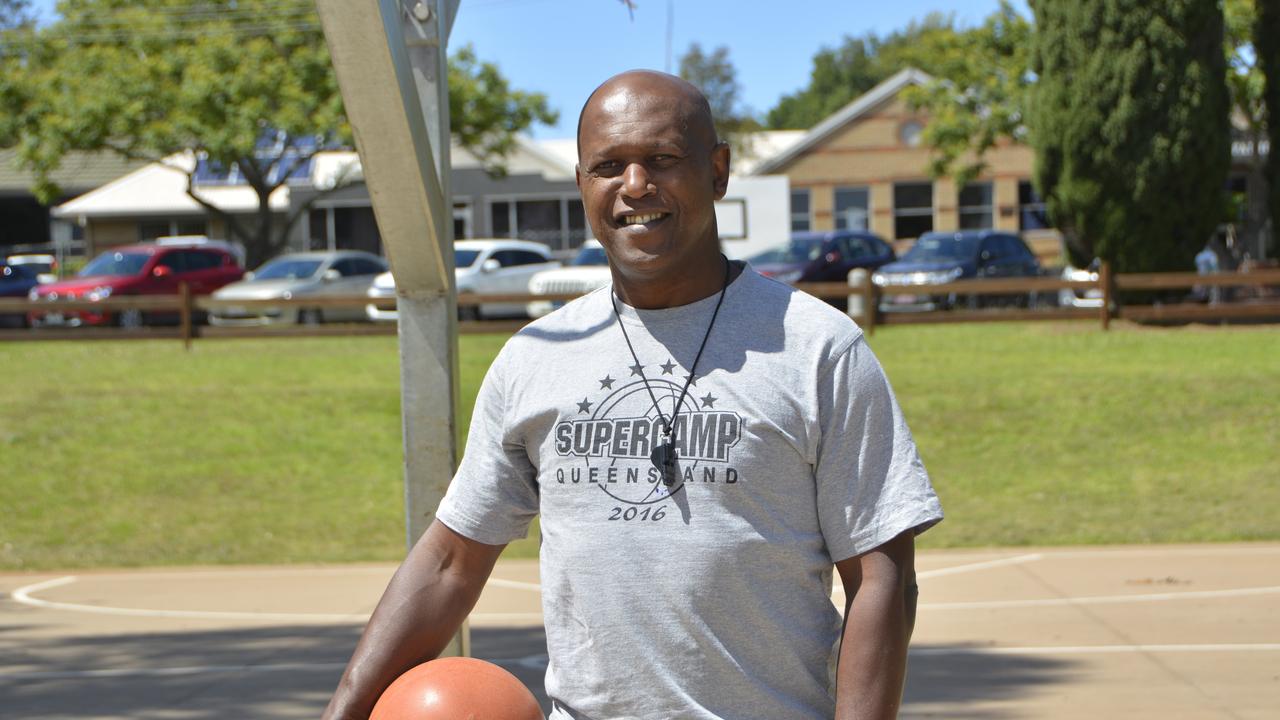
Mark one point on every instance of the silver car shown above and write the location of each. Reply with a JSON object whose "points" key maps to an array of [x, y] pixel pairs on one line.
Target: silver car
{"points": [[340, 273]]}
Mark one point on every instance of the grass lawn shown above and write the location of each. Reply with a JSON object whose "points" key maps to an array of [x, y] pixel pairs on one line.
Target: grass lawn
{"points": [[288, 450]]}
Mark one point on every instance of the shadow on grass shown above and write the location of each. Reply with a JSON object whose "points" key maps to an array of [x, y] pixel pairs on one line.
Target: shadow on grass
{"points": [[289, 672]]}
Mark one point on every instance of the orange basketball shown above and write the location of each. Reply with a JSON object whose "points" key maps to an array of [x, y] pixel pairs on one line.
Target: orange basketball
{"points": [[457, 688]]}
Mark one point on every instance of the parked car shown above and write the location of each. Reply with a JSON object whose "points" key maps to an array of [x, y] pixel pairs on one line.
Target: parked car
{"points": [[325, 274], [1091, 298], [588, 270], [16, 281], [823, 256], [140, 269], [44, 265], [943, 257], [484, 267]]}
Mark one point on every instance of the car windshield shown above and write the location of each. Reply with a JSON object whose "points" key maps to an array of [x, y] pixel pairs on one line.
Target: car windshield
{"points": [[290, 269], [799, 250], [464, 258], [115, 263], [939, 249], [590, 256]]}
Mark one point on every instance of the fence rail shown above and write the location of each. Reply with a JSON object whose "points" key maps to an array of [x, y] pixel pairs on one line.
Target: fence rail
{"points": [[864, 298]]}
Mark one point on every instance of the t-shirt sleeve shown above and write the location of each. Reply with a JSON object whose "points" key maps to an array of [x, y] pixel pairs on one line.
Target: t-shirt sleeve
{"points": [[872, 485], [494, 494]]}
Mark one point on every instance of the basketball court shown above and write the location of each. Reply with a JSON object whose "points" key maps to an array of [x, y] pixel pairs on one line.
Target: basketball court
{"points": [[1138, 632]]}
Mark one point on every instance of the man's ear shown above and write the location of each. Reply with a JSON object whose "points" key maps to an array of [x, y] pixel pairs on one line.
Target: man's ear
{"points": [[720, 168], [577, 176]]}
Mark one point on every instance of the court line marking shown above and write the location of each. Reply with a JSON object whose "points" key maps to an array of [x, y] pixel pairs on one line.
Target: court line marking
{"points": [[967, 567], [1100, 649], [1104, 599]]}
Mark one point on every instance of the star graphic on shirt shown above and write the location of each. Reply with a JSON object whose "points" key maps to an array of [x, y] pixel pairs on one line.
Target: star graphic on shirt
{"points": [[709, 400], [693, 379], [668, 367], [637, 369], [584, 406], [606, 383]]}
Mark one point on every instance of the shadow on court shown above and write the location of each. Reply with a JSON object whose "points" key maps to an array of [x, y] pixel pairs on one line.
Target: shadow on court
{"points": [[268, 673], [289, 672]]}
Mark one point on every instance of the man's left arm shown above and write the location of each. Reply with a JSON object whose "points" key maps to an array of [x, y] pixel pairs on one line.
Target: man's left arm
{"points": [[880, 601]]}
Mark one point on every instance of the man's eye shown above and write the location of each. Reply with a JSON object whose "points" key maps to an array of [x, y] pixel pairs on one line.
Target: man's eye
{"points": [[608, 168]]}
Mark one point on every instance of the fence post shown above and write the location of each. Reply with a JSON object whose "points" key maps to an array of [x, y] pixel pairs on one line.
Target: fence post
{"points": [[1108, 293], [184, 313], [870, 304]]}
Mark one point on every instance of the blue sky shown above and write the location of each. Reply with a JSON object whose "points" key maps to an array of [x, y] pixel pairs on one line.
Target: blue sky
{"points": [[564, 48]]}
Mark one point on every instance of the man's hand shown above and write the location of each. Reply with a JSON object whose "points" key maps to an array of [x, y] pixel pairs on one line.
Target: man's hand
{"points": [[425, 603], [879, 589]]}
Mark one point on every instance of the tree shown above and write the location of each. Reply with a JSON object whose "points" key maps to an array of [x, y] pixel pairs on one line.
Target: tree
{"points": [[842, 74], [1246, 82], [1129, 119], [716, 77], [245, 84], [981, 99], [1266, 43], [16, 24]]}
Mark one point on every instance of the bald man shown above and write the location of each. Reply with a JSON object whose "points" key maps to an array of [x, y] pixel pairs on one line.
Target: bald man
{"points": [[703, 445]]}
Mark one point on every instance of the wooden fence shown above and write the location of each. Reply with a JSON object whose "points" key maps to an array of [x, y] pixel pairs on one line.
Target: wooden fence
{"points": [[863, 296]]}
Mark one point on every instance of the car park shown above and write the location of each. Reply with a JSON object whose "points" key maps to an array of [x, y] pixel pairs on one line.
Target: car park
{"points": [[823, 256], [299, 276], [132, 270], [16, 281], [483, 267], [941, 257], [588, 270]]}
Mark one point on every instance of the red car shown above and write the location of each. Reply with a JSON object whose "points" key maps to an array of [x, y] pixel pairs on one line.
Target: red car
{"points": [[142, 269]]}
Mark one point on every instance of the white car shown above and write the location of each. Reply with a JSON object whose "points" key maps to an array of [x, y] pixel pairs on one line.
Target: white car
{"points": [[482, 267], [588, 270], [341, 273]]}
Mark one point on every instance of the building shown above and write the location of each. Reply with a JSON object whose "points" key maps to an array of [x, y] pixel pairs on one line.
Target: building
{"points": [[865, 167]]}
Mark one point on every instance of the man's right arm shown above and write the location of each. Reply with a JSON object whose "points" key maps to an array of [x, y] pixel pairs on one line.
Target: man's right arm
{"points": [[425, 603]]}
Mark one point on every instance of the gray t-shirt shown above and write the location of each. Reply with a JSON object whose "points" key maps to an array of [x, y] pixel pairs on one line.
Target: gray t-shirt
{"points": [[708, 598]]}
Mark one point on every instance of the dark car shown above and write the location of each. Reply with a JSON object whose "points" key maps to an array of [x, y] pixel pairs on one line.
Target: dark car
{"points": [[16, 281], [141, 269], [943, 257], [823, 256]]}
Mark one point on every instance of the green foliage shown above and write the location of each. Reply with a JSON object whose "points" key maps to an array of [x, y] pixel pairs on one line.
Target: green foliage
{"points": [[1266, 41], [980, 98], [1129, 119], [841, 74], [486, 114], [713, 73]]}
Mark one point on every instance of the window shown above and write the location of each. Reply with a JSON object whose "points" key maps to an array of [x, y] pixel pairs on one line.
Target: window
{"points": [[800, 210], [975, 206], [856, 248], [557, 223], [152, 229], [201, 260], [512, 258], [362, 266], [912, 209], [1031, 210], [852, 208], [191, 227]]}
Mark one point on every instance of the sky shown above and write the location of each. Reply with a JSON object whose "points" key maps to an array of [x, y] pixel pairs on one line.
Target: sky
{"points": [[565, 48]]}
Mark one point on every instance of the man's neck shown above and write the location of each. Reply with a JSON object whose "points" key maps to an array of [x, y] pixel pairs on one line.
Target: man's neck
{"points": [[674, 290]]}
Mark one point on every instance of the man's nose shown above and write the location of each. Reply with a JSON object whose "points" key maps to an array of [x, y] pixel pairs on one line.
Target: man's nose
{"points": [[636, 182]]}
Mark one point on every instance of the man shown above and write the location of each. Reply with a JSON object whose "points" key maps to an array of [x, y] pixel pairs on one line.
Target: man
{"points": [[703, 445]]}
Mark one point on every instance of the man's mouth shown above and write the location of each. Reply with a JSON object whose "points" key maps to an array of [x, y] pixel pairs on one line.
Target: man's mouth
{"points": [[640, 218]]}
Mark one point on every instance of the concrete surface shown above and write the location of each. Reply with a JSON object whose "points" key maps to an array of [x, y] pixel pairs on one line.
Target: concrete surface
{"points": [[1139, 632]]}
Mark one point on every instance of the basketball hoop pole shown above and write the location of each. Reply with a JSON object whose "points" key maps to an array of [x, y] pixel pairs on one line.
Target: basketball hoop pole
{"points": [[391, 63]]}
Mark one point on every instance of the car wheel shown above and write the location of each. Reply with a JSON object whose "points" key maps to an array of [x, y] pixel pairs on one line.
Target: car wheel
{"points": [[309, 316], [130, 318]]}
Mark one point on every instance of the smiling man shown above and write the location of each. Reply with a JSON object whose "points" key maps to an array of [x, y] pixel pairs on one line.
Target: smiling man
{"points": [[704, 447]]}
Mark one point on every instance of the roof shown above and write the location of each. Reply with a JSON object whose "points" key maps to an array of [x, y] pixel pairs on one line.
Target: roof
{"points": [[79, 172], [836, 121], [161, 189]]}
